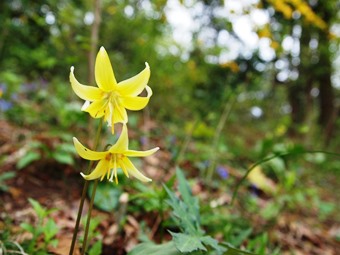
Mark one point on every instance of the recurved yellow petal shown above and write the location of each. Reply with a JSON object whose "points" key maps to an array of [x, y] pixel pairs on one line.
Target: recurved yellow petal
{"points": [[96, 109], [136, 84], [104, 75], [84, 92], [133, 153], [122, 143], [100, 170], [136, 103], [122, 166], [134, 171], [119, 114], [87, 153]]}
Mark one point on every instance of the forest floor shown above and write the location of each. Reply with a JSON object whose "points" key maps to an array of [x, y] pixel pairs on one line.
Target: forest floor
{"points": [[58, 186]]}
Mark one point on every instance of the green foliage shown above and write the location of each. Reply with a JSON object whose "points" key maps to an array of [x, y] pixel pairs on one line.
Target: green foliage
{"points": [[94, 234], [44, 228], [260, 244], [168, 248], [27, 159], [192, 86], [191, 238], [62, 152], [186, 213], [150, 198], [5, 176], [107, 196], [11, 247], [96, 249], [7, 244]]}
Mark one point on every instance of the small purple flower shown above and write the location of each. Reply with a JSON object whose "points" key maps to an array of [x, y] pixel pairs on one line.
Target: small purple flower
{"points": [[222, 172], [144, 140], [3, 88], [254, 190], [27, 87], [173, 139], [14, 97], [5, 105]]}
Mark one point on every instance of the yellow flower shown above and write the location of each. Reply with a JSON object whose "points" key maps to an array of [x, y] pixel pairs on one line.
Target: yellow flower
{"points": [[116, 157], [111, 99]]}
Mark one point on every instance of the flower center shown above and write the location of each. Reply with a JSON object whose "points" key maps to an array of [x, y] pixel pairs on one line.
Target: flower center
{"points": [[115, 163], [114, 98]]}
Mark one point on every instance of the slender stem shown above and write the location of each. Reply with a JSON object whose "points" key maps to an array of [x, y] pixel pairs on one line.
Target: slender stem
{"points": [[83, 194], [226, 111], [88, 221], [80, 210], [186, 143], [272, 157]]}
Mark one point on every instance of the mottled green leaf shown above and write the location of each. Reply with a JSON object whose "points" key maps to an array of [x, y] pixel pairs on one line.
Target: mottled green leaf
{"points": [[187, 243], [150, 248]]}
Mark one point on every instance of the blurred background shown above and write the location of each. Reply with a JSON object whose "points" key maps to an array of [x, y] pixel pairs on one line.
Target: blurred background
{"points": [[233, 82]]}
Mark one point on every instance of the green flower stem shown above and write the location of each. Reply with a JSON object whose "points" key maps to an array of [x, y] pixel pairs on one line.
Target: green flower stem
{"points": [[278, 155], [224, 116], [88, 221], [83, 194]]}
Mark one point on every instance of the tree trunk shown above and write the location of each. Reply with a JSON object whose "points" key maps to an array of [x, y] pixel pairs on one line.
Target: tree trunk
{"points": [[324, 71]]}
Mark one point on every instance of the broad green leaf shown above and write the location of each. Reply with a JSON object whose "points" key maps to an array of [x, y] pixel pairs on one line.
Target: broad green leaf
{"points": [[3, 177], [96, 249], [7, 175], [107, 196], [39, 210], [27, 227], [66, 147], [187, 243], [63, 157], [50, 230], [54, 243], [208, 240], [150, 248], [27, 159]]}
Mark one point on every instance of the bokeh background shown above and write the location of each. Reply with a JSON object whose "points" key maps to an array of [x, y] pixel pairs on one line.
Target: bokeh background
{"points": [[234, 82]]}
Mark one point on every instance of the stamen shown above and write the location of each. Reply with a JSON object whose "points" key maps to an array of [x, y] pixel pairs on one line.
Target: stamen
{"points": [[109, 158], [114, 170]]}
